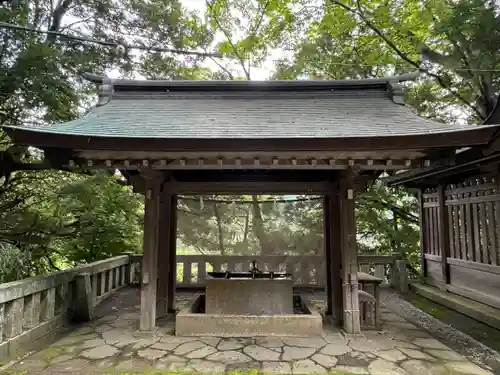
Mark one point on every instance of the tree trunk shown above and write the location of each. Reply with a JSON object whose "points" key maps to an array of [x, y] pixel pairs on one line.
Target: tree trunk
{"points": [[494, 116], [247, 225], [220, 233], [258, 228]]}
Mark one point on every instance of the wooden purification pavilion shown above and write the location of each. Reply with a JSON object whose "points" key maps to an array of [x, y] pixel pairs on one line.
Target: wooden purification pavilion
{"points": [[241, 137]]}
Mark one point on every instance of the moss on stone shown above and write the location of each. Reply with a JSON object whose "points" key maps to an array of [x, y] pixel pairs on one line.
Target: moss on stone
{"points": [[481, 332], [50, 353]]}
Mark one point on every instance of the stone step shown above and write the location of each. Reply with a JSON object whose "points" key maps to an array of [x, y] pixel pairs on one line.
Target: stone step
{"points": [[476, 310]]}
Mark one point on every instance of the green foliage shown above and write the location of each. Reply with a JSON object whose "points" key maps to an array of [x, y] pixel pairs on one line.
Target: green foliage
{"points": [[51, 219], [266, 227], [57, 219], [106, 217], [387, 221], [455, 44], [13, 263]]}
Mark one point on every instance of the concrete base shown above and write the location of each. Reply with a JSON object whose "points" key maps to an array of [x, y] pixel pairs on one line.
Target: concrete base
{"points": [[249, 296], [189, 322]]}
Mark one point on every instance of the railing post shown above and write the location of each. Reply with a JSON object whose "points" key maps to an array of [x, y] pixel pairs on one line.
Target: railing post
{"points": [[32, 311], [48, 302], [402, 276], [83, 303], [14, 318], [129, 270], [394, 273]]}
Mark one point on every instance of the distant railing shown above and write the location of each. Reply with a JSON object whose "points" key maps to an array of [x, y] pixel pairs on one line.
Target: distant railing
{"points": [[307, 270], [39, 306]]}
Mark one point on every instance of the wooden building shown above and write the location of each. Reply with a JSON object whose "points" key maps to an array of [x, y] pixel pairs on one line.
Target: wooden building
{"points": [[242, 137], [460, 231]]}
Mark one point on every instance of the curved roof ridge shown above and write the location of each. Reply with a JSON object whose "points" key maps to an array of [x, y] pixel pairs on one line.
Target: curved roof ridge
{"points": [[244, 84]]}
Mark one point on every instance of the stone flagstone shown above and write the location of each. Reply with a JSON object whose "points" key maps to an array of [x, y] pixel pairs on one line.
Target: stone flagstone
{"points": [[229, 344], [261, 354], [228, 357], [210, 367], [352, 369], [291, 353], [189, 347], [306, 366], [447, 355], [151, 354], [201, 353], [277, 367], [270, 342], [100, 348], [336, 349], [430, 344], [100, 352], [417, 367], [213, 341], [165, 346], [465, 368], [305, 342], [324, 360], [383, 367], [392, 355], [416, 354]]}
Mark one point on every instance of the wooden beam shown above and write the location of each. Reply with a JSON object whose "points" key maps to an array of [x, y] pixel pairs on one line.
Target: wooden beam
{"points": [[352, 324], [172, 272], [153, 182], [336, 256], [256, 162], [423, 233], [328, 254], [268, 187], [163, 254], [444, 233], [280, 157]]}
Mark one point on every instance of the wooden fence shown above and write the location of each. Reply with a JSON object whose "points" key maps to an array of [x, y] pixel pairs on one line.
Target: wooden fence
{"points": [[461, 239]]}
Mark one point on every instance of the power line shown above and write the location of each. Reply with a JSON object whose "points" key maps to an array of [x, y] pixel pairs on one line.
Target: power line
{"points": [[123, 47], [126, 47], [239, 201]]}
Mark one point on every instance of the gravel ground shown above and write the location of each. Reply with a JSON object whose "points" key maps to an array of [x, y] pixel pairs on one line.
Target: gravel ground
{"points": [[457, 340]]}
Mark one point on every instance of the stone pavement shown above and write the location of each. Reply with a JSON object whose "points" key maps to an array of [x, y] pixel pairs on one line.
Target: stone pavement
{"points": [[109, 345]]}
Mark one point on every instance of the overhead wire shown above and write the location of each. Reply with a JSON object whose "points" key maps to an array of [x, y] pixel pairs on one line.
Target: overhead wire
{"points": [[126, 46], [123, 46], [240, 201]]}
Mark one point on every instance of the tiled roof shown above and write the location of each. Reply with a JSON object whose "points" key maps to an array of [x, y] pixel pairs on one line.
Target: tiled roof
{"points": [[208, 112]]}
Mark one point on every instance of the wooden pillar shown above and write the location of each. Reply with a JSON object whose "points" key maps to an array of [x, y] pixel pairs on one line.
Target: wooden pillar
{"points": [[336, 256], [351, 314], [153, 182], [172, 274], [444, 233], [328, 254], [163, 254], [423, 234]]}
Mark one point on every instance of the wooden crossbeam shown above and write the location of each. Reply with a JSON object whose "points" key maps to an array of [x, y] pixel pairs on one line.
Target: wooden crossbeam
{"points": [[268, 163]]}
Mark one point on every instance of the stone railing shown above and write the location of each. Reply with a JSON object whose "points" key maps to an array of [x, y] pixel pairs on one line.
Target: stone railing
{"points": [[35, 309], [307, 271]]}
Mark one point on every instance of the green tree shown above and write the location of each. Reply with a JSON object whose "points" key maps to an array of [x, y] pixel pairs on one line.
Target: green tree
{"points": [[45, 47], [454, 44]]}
